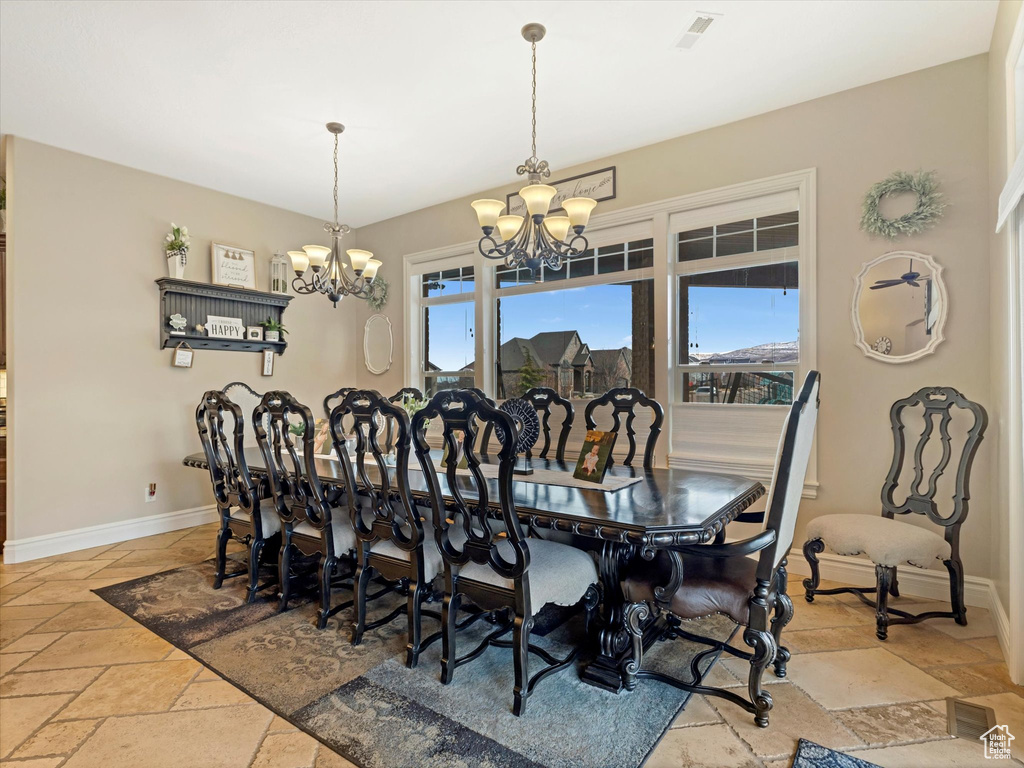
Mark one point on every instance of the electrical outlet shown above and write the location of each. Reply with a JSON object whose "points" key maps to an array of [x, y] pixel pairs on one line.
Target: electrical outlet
{"points": [[150, 492]]}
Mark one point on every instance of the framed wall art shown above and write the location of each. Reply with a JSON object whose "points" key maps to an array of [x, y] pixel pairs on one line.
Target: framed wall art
{"points": [[232, 266], [182, 356], [268, 362]]}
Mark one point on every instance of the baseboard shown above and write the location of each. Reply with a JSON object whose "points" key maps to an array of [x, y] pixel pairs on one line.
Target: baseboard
{"points": [[917, 582], [48, 545], [1002, 622]]}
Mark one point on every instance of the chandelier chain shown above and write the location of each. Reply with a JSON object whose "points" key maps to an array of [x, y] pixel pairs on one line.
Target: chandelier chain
{"points": [[336, 180], [533, 145]]}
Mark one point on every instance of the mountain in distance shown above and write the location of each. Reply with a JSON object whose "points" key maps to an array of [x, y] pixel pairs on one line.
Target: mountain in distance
{"points": [[779, 352]]}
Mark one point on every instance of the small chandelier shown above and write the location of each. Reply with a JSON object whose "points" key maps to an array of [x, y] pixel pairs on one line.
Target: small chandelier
{"points": [[330, 275], [539, 238]]}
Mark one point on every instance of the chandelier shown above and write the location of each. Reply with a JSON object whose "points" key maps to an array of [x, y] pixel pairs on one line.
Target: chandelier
{"points": [[329, 275], [538, 238]]}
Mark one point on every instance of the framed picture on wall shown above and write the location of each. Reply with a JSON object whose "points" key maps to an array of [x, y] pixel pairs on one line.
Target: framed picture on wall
{"points": [[232, 266], [182, 356], [268, 362]]}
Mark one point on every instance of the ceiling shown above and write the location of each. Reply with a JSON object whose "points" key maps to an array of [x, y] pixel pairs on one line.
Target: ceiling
{"points": [[435, 95]]}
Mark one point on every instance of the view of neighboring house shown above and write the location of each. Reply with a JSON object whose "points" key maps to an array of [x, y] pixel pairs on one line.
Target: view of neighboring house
{"points": [[612, 368], [557, 359]]}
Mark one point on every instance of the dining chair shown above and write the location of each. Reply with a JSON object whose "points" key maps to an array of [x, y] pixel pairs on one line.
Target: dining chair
{"points": [[405, 392], [694, 581], [505, 576], [890, 543], [626, 400], [244, 396], [391, 539], [300, 500], [542, 399], [334, 399], [236, 493]]}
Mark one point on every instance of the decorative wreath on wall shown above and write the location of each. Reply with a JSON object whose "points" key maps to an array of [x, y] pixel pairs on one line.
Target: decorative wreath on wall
{"points": [[926, 212], [378, 294]]}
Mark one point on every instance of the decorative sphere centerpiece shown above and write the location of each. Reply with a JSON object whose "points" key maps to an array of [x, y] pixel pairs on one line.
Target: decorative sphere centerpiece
{"points": [[527, 431]]}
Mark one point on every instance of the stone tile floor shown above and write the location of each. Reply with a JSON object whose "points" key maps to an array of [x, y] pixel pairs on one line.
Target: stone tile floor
{"points": [[83, 686]]}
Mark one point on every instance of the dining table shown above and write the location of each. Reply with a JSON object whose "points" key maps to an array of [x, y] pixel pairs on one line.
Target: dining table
{"points": [[659, 508]]}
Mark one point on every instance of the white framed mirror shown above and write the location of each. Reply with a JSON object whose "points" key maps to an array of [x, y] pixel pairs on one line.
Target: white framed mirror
{"points": [[899, 307], [378, 344]]}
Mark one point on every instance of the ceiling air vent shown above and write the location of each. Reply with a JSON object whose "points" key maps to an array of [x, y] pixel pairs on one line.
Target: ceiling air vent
{"points": [[698, 26]]}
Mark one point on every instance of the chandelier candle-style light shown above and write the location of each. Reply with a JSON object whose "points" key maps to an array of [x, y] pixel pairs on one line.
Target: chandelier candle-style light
{"points": [[329, 274], [538, 238]]}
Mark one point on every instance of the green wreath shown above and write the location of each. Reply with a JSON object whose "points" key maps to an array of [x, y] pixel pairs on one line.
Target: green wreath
{"points": [[926, 212], [378, 294]]}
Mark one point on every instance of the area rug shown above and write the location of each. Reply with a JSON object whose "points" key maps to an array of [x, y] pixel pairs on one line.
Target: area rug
{"points": [[811, 755], [362, 702]]}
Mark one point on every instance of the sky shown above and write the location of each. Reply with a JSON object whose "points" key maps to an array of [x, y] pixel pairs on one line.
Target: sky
{"points": [[721, 319]]}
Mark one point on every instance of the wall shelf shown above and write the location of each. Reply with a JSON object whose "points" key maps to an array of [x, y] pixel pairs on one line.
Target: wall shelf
{"points": [[197, 301]]}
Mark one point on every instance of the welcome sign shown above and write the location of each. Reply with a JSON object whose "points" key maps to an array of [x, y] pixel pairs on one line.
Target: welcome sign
{"points": [[598, 185], [224, 327]]}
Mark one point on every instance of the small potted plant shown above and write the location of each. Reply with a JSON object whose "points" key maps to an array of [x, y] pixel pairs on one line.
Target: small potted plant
{"points": [[176, 244], [272, 330]]}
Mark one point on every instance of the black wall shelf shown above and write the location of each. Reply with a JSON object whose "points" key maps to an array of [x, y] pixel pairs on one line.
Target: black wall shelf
{"points": [[197, 301]]}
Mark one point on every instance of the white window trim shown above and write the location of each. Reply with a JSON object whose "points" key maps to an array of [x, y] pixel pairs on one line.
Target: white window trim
{"points": [[661, 219]]}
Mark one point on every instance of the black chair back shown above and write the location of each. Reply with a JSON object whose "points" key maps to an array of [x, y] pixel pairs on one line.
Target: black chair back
{"points": [[787, 485], [405, 392], [472, 535], [625, 400], [233, 485], [542, 398], [941, 404], [244, 396], [335, 399], [384, 509], [295, 486]]}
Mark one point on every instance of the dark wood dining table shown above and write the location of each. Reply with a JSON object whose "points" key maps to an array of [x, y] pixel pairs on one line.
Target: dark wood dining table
{"points": [[664, 508]]}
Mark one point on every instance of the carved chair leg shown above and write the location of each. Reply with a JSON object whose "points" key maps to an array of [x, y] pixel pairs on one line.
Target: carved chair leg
{"points": [[765, 649], [521, 661], [883, 576], [412, 648], [894, 587], [634, 616], [591, 598], [255, 555], [783, 615], [223, 536], [327, 566], [283, 570], [812, 549], [449, 612], [956, 590], [360, 584]]}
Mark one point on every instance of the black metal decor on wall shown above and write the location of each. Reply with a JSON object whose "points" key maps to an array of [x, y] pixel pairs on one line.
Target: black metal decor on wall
{"points": [[196, 301]]}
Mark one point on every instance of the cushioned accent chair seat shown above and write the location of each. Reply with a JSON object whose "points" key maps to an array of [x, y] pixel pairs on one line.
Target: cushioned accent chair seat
{"points": [[693, 581], [911, 487]]}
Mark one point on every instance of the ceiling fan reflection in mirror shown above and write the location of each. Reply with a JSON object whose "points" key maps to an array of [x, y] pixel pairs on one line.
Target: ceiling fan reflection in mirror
{"points": [[909, 278]]}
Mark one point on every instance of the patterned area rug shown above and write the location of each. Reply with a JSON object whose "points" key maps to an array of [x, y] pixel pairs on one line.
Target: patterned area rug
{"points": [[366, 705], [811, 755]]}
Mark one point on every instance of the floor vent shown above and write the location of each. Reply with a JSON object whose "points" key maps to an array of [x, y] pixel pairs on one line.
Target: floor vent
{"points": [[968, 721]]}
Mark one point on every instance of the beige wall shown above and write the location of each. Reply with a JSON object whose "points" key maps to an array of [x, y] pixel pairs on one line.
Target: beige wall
{"points": [[998, 156], [932, 119], [96, 412]]}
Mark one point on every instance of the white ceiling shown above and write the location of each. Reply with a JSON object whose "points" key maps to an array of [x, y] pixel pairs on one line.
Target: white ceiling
{"points": [[435, 95]]}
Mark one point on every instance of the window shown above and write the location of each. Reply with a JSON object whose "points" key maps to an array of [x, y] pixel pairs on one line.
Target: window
{"points": [[448, 329], [739, 311], [580, 330]]}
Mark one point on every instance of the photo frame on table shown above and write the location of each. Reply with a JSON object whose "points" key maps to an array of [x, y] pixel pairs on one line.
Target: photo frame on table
{"points": [[592, 464], [233, 266], [268, 362], [182, 356]]}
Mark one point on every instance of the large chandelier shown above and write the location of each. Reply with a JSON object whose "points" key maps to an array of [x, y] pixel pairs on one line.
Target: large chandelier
{"points": [[329, 274], [538, 238]]}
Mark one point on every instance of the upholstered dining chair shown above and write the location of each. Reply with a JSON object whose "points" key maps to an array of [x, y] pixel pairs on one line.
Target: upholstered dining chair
{"points": [[300, 500], [391, 539], [695, 581], [890, 543], [236, 493], [626, 400], [508, 577]]}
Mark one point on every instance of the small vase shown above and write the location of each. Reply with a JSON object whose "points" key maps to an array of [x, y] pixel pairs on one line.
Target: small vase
{"points": [[271, 335], [176, 261]]}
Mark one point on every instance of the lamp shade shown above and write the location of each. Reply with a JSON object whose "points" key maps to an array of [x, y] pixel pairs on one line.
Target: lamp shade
{"points": [[300, 261], [578, 209], [487, 212], [370, 270], [317, 254], [508, 226], [557, 226], [537, 198], [359, 259]]}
